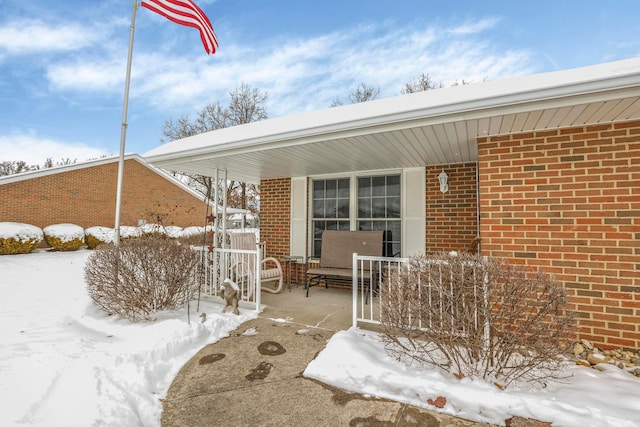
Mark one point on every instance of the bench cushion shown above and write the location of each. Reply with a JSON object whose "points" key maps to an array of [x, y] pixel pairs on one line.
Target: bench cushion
{"points": [[338, 247]]}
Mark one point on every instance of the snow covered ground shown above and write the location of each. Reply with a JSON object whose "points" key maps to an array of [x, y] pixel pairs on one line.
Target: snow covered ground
{"points": [[63, 362]]}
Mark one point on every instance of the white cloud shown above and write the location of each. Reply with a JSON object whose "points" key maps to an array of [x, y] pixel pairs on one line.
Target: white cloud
{"points": [[299, 74], [27, 37], [87, 75], [304, 74], [34, 149], [472, 27]]}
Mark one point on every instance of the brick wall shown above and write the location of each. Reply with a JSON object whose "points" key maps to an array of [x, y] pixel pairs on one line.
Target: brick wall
{"points": [[452, 217], [275, 215], [86, 197], [568, 201]]}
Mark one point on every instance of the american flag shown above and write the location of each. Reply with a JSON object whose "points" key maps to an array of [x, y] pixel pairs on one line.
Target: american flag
{"points": [[186, 12]]}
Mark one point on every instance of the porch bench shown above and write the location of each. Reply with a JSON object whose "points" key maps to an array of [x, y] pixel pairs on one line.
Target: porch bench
{"points": [[336, 259]]}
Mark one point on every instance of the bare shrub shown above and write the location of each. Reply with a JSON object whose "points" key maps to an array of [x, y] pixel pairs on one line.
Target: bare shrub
{"points": [[141, 277], [477, 317]]}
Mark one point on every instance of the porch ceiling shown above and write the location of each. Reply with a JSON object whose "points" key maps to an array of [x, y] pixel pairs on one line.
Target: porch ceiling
{"points": [[433, 127]]}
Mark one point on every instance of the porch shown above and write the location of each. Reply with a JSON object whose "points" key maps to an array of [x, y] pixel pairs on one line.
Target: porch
{"points": [[326, 308], [543, 168]]}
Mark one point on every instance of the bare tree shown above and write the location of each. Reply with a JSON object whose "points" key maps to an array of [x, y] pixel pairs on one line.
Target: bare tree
{"points": [[19, 166], [362, 93], [13, 167], [424, 82], [246, 105]]}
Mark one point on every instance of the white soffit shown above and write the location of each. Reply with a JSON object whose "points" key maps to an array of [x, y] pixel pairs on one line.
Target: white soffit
{"points": [[432, 127]]}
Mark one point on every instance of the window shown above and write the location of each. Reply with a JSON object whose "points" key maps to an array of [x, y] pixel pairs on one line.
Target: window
{"points": [[330, 209], [379, 209], [358, 203]]}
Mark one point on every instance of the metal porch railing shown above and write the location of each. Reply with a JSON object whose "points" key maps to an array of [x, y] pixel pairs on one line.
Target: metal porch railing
{"points": [[241, 266], [462, 308]]}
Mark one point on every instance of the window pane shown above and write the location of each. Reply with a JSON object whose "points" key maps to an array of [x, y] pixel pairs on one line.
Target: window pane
{"points": [[343, 208], [331, 186], [343, 188], [393, 207], [318, 189], [378, 186], [395, 249], [377, 208], [395, 227], [364, 208], [318, 228], [393, 185], [318, 208], [330, 208], [331, 198], [364, 187]]}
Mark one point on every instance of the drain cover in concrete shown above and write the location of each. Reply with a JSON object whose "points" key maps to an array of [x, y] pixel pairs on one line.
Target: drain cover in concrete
{"points": [[271, 348], [210, 358], [260, 372]]}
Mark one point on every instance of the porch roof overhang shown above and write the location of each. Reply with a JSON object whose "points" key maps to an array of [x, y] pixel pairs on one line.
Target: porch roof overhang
{"points": [[433, 127]]}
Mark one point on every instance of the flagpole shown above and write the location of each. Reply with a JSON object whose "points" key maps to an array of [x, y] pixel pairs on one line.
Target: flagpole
{"points": [[123, 130]]}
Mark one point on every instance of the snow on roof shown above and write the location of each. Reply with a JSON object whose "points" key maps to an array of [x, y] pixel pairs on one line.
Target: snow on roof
{"points": [[450, 100]]}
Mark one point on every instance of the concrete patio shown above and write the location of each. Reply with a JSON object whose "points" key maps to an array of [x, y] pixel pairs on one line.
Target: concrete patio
{"points": [[254, 377]]}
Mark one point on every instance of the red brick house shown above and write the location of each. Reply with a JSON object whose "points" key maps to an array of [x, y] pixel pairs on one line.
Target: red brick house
{"points": [[545, 169], [85, 194]]}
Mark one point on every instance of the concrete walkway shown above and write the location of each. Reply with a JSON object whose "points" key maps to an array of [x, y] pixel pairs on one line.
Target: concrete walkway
{"points": [[254, 377]]}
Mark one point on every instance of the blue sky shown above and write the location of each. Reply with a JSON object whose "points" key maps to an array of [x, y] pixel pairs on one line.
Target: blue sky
{"points": [[62, 63]]}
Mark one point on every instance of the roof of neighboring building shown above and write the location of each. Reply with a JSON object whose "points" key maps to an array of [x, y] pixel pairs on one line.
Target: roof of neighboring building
{"points": [[432, 127]]}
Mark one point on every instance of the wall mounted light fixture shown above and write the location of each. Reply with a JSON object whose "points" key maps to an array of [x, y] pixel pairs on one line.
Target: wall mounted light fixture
{"points": [[443, 178]]}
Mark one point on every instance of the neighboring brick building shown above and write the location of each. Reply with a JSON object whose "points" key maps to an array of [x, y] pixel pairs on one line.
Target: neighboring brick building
{"points": [[543, 169], [85, 194]]}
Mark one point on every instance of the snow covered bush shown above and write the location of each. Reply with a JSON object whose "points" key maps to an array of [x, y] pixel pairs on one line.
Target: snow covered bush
{"points": [[152, 230], [96, 236], [17, 238], [477, 317], [141, 277], [64, 237], [173, 231]]}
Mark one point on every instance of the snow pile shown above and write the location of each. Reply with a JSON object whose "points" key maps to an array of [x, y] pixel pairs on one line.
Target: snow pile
{"points": [[355, 360], [194, 231], [21, 232], [127, 231], [173, 231], [65, 232]]}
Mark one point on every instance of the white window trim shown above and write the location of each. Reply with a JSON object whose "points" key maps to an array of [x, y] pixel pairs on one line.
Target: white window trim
{"points": [[414, 217]]}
